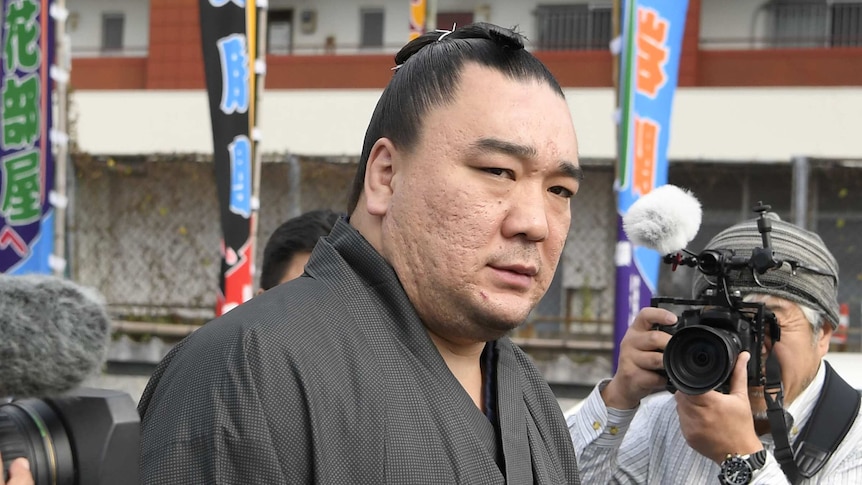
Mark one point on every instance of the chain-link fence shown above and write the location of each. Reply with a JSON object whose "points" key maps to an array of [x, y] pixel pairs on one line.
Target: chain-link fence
{"points": [[146, 233]]}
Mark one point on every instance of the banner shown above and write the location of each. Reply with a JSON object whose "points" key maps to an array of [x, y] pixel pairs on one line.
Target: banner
{"points": [[228, 33], [649, 64], [418, 11], [26, 161]]}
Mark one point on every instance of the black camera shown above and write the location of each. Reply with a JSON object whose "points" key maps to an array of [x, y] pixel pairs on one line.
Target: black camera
{"points": [[86, 436], [708, 337]]}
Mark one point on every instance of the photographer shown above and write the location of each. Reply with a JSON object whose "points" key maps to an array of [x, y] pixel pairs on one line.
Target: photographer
{"points": [[621, 437]]}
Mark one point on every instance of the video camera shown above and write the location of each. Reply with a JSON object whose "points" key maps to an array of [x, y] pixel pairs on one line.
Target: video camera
{"points": [[87, 436], [708, 337], [53, 336]]}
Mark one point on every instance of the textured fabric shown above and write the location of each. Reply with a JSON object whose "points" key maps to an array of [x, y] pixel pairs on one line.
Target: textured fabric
{"points": [[645, 445], [791, 243], [331, 378]]}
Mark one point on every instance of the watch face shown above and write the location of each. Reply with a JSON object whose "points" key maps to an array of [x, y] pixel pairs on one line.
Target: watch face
{"points": [[736, 471]]}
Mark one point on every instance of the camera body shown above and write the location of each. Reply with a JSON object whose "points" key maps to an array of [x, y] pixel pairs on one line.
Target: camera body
{"points": [[707, 340], [709, 336]]}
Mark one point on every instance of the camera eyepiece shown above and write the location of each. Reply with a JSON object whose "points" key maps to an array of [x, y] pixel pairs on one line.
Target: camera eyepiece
{"points": [[711, 263]]}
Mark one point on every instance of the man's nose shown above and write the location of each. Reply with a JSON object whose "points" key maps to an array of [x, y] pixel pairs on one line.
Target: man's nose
{"points": [[528, 216]]}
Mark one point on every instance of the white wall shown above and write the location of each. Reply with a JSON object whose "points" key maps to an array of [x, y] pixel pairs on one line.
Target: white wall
{"points": [[848, 365], [340, 18], [769, 124], [86, 37]]}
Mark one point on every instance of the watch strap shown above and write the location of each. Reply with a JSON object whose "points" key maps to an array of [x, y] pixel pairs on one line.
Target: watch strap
{"points": [[754, 461], [757, 460]]}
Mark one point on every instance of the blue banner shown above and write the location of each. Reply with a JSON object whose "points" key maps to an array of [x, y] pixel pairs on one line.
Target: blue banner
{"points": [[649, 65], [26, 161]]}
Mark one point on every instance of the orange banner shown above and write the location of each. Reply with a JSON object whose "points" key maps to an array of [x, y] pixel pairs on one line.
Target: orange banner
{"points": [[418, 9]]}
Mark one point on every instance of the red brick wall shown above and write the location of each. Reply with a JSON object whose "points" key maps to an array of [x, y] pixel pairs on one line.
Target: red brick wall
{"points": [[175, 61]]}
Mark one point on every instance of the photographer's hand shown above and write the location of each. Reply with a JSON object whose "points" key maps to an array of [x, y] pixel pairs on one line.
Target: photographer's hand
{"points": [[640, 358], [715, 424], [19, 472]]}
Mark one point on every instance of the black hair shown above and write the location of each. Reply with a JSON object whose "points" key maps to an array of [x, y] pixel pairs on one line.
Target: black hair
{"points": [[427, 74], [296, 235]]}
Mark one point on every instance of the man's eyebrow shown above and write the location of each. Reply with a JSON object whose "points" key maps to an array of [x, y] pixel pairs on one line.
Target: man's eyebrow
{"points": [[525, 151], [572, 170], [505, 147]]}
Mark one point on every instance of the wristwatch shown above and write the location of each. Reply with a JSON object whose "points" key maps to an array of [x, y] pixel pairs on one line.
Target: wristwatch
{"points": [[739, 469]]}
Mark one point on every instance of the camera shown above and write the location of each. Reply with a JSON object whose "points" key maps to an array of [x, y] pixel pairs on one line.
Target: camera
{"points": [[708, 337], [86, 436]]}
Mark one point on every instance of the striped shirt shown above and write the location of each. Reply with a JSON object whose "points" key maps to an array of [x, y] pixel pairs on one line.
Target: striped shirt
{"points": [[646, 445]]}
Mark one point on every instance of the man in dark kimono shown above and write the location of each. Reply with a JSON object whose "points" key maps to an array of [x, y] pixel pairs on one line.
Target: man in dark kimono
{"points": [[387, 361]]}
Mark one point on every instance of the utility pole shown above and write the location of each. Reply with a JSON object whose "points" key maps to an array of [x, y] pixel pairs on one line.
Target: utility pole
{"points": [[60, 137]]}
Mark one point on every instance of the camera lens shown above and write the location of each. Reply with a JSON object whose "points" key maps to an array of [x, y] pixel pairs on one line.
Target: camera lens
{"points": [[698, 359], [30, 428]]}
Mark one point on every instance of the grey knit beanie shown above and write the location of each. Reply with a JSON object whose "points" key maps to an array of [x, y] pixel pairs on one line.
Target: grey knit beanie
{"points": [[790, 243]]}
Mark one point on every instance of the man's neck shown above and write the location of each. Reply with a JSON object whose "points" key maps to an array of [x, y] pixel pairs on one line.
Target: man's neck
{"points": [[464, 361]]}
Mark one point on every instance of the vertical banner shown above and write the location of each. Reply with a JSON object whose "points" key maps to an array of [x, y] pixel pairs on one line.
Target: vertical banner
{"points": [[26, 161], [228, 38], [418, 11], [649, 63]]}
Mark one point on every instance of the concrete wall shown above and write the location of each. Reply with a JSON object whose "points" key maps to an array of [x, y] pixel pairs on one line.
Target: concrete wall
{"points": [[772, 124]]}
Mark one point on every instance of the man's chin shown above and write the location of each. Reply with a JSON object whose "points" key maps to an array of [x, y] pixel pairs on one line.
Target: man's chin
{"points": [[506, 310]]}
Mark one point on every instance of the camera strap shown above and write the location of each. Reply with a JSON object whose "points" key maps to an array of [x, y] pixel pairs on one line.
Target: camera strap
{"points": [[833, 415], [773, 392]]}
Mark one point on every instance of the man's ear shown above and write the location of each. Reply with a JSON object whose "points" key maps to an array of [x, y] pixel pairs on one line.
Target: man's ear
{"points": [[825, 338], [379, 173]]}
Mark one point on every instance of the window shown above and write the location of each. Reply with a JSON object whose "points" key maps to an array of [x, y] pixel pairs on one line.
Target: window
{"points": [[371, 27], [112, 31], [846, 20], [568, 27], [815, 23], [280, 27]]}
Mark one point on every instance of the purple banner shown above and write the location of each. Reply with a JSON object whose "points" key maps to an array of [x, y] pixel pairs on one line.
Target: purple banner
{"points": [[26, 161]]}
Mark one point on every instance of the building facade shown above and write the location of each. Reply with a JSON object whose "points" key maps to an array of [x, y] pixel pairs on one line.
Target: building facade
{"points": [[761, 85]]}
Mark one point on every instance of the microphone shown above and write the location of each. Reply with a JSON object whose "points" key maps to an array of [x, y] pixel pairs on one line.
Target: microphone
{"points": [[666, 219], [53, 334]]}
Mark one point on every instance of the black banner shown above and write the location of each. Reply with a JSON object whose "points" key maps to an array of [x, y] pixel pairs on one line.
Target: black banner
{"points": [[230, 79]]}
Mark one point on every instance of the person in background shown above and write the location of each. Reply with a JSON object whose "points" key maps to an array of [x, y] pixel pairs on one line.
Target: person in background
{"points": [[620, 437], [388, 360], [288, 248]]}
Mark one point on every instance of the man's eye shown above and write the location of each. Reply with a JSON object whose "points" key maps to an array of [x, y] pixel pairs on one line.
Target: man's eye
{"points": [[500, 172], [562, 192]]}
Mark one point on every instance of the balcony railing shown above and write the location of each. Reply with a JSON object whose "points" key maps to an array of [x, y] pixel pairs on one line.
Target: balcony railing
{"points": [[814, 24], [573, 27], [777, 24]]}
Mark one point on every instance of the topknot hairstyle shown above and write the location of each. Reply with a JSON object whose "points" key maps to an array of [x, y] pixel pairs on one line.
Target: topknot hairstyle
{"points": [[506, 38]]}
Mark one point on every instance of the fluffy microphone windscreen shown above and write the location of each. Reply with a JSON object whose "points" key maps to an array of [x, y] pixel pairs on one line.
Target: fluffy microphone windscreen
{"points": [[666, 219], [53, 334]]}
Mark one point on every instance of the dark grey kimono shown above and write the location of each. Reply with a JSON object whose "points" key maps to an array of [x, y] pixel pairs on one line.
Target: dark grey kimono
{"points": [[333, 379]]}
